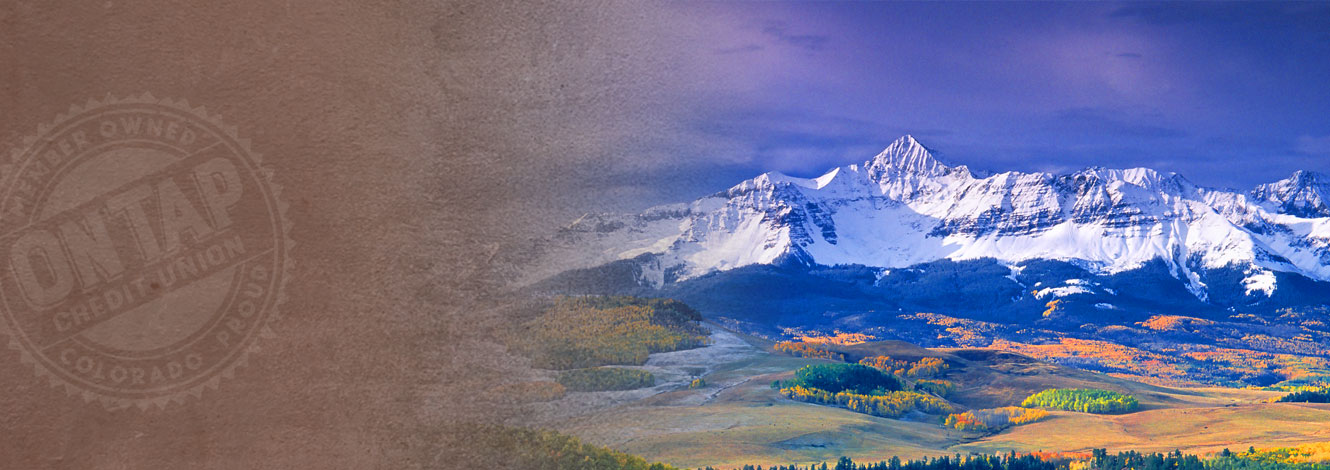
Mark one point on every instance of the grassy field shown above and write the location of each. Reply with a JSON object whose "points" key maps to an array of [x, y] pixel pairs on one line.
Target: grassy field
{"points": [[1191, 429], [750, 423], [738, 419]]}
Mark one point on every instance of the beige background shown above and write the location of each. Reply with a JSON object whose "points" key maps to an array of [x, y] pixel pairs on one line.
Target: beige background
{"points": [[395, 172]]}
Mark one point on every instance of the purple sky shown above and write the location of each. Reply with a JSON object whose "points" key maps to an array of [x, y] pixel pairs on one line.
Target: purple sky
{"points": [[1229, 95]]}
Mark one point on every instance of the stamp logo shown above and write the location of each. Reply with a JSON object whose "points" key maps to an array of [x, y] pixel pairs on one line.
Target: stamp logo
{"points": [[143, 251]]}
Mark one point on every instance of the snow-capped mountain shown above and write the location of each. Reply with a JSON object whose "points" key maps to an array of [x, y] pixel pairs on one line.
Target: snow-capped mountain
{"points": [[1305, 194], [903, 207]]}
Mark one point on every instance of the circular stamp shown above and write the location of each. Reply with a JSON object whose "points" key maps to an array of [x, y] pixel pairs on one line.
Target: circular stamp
{"points": [[143, 251]]}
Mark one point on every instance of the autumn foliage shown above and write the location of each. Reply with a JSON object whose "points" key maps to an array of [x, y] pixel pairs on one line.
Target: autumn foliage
{"points": [[1307, 396], [1302, 457], [808, 350], [1085, 400], [580, 332], [859, 388], [993, 420], [887, 405], [941, 388], [528, 449], [854, 378], [601, 379], [927, 367]]}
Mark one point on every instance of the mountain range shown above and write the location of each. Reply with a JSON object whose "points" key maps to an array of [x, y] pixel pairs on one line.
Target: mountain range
{"points": [[906, 247], [904, 207]]}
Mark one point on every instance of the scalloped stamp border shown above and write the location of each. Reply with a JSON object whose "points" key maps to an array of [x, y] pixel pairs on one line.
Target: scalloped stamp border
{"points": [[146, 251]]}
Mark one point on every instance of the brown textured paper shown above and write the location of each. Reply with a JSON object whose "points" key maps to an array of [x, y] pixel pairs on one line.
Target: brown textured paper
{"points": [[369, 208]]}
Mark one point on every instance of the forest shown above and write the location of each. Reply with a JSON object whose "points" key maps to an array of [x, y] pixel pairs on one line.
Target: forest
{"points": [[1099, 459], [927, 367], [1320, 395], [854, 378], [591, 331], [886, 405], [811, 351], [1303, 457], [876, 385], [1084, 400], [941, 388], [993, 420], [859, 388], [502, 447], [600, 379]]}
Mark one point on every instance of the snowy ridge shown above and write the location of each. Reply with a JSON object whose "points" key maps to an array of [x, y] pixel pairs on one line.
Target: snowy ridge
{"points": [[904, 207], [1304, 194]]}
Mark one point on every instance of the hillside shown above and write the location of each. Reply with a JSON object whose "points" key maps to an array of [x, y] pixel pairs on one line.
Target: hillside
{"points": [[1130, 272], [961, 304], [989, 378], [737, 418]]}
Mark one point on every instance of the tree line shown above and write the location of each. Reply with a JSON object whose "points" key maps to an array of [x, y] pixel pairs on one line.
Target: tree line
{"points": [[811, 351], [858, 388], [1099, 459], [1084, 400], [1307, 396], [927, 367], [601, 379], [581, 332], [855, 378], [995, 419], [1010, 461], [504, 447], [885, 405], [941, 388]]}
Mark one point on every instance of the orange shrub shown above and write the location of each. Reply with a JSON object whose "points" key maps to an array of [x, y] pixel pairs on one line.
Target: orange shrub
{"points": [[800, 349]]}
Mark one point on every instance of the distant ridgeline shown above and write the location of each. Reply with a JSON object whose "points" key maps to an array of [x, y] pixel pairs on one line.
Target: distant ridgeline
{"points": [[982, 302]]}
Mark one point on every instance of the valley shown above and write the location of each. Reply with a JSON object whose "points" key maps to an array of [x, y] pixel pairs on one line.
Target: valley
{"points": [[1130, 272], [738, 419], [1151, 313]]}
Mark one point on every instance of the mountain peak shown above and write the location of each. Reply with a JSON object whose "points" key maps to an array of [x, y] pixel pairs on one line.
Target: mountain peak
{"points": [[1307, 178], [905, 156], [907, 139], [1305, 194], [903, 208]]}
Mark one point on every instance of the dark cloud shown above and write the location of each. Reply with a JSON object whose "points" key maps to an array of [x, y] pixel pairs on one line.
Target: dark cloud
{"points": [[791, 141], [618, 107], [1287, 14], [1109, 123], [740, 49], [1313, 145], [780, 32]]}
